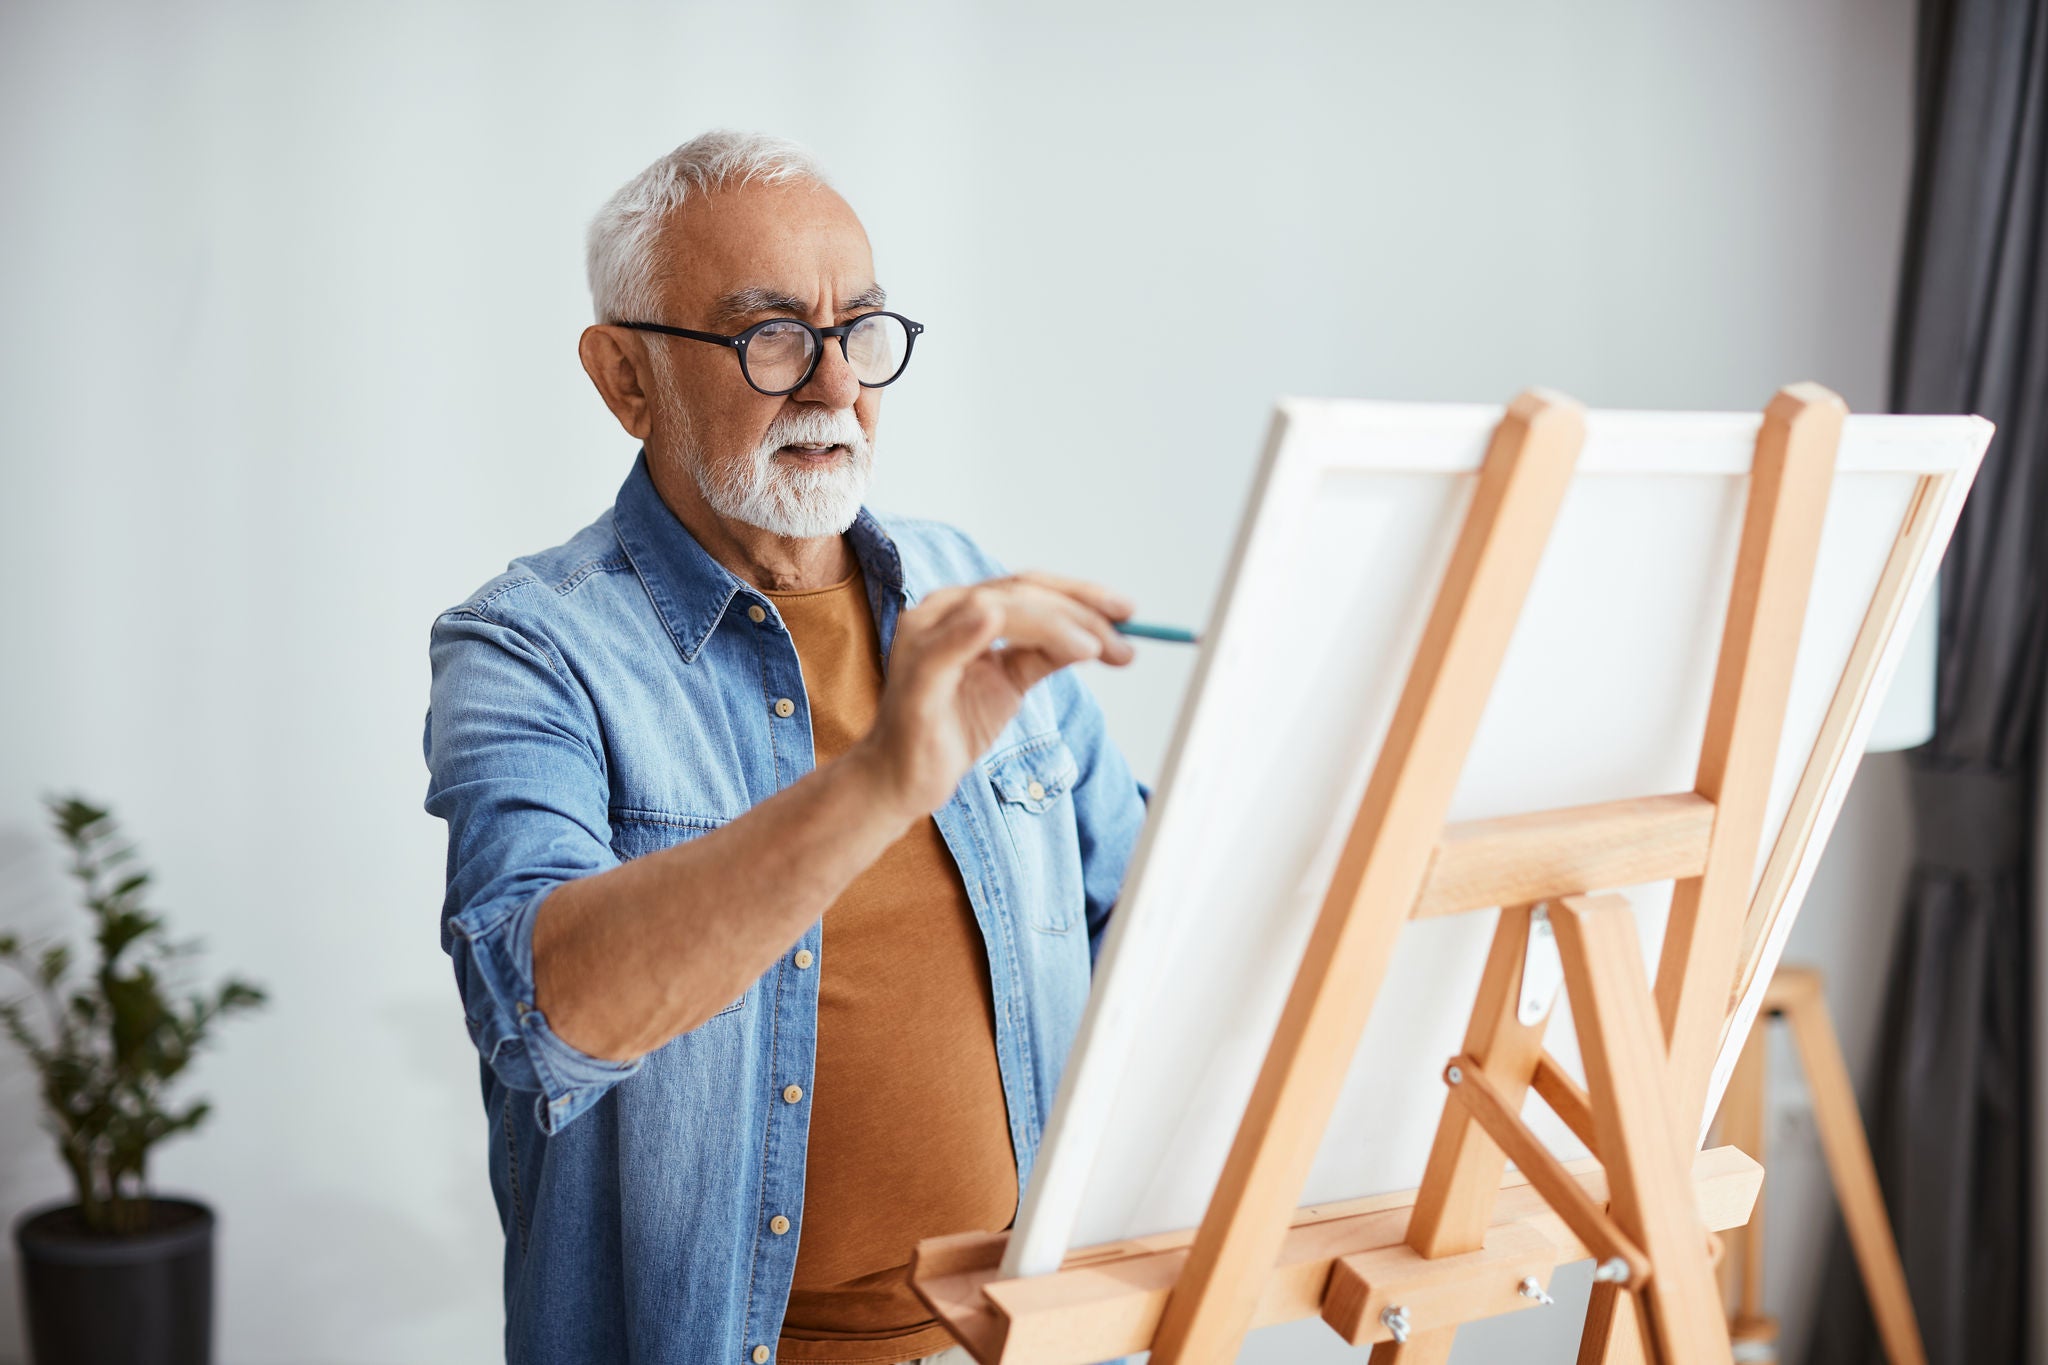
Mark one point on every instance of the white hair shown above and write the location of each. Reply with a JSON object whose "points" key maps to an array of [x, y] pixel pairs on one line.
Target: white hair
{"points": [[621, 246]]}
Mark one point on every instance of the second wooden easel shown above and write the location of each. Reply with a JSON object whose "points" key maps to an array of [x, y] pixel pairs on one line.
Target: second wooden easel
{"points": [[1404, 1271], [1796, 996]]}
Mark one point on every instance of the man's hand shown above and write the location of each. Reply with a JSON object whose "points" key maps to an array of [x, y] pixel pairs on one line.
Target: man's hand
{"points": [[959, 668]]}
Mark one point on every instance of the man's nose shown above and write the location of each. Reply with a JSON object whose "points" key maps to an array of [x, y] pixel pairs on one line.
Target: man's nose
{"points": [[832, 383]]}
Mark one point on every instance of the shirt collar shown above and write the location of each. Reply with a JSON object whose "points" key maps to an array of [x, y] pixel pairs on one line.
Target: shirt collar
{"points": [[692, 591]]}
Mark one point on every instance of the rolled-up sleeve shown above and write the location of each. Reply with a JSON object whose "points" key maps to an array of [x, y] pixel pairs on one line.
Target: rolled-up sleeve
{"points": [[517, 770]]}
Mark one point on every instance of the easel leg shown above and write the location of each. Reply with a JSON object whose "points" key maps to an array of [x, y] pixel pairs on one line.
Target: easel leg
{"points": [[1455, 1204], [1425, 1348], [1743, 1113], [1614, 1329], [1642, 1144], [1797, 994], [1789, 482]]}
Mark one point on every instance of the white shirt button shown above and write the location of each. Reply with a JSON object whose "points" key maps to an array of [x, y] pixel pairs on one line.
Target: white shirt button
{"points": [[778, 1225], [784, 707], [803, 958], [792, 1093], [1036, 790], [760, 1355], [756, 615]]}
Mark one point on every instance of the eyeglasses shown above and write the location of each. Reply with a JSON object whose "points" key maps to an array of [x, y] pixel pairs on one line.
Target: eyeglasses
{"points": [[779, 356]]}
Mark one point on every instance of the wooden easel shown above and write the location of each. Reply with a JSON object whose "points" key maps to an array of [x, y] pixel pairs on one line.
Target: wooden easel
{"points": [[1405, 1270], [1796, 997]]}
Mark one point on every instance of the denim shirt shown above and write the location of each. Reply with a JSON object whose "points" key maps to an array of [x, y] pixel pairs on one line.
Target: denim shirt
{"points": [[622, 693]]}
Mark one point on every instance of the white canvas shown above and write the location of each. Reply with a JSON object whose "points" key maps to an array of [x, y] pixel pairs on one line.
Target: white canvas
{"points": [[1602, 695]]}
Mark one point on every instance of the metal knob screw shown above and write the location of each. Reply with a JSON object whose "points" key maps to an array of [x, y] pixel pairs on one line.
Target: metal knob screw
{"points": [[1395, 1320], [1530, 1289], [1613, 1270]]}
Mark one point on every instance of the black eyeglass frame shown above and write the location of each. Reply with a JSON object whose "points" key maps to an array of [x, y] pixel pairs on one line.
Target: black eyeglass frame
{"points": [[739, 340]]}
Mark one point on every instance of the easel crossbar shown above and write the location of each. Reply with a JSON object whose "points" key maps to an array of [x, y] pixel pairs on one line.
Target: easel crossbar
{"points": [[1106, 1301], [1522, 859]]}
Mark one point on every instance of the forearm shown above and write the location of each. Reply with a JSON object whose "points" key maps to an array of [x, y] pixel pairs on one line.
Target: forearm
{"points": [[627, 959]]}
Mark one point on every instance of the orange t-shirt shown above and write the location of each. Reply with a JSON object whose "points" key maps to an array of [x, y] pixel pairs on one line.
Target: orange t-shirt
{"points": [[910, 1137]]}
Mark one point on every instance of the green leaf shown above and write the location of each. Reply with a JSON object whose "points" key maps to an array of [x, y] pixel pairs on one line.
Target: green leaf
{"points": [[75, 816], [123, 927], [55, 959], [239, 995], [187, 1121]]}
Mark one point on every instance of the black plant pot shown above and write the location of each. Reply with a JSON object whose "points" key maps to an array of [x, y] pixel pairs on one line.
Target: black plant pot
{"points": [[143, 1298]]}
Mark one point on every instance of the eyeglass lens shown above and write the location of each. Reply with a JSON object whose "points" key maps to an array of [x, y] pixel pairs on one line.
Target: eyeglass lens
{"points": [[876, 348], [778, 355]]}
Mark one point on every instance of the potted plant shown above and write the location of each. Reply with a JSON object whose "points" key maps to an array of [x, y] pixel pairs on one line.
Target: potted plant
{"points": [[117, 1275]]}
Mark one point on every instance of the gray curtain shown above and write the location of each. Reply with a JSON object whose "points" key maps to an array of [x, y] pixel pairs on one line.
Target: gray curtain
{"points": [[1950, 1123]]}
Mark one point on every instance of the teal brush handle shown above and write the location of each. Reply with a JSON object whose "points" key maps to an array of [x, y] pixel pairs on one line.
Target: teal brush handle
{"points": [[1170, 634]]}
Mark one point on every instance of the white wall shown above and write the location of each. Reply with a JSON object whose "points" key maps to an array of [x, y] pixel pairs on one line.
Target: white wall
{"points": [[291, 297]]}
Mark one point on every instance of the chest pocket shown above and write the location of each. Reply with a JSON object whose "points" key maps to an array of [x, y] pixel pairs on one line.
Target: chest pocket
{"points": [[637, 833], [1033, 781]]}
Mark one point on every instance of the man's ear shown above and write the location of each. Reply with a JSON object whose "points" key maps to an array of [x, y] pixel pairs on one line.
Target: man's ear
{"points": [[619, 368]]}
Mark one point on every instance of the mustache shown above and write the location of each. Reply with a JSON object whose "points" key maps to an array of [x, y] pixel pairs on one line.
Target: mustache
{"points": [[830, 427]]}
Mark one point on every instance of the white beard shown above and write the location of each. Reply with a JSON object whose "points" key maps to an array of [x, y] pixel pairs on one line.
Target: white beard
{"points": [[802, 504]]}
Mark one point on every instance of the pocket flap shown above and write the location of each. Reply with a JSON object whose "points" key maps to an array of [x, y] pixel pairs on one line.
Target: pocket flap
{"points": [[1034, 774]]}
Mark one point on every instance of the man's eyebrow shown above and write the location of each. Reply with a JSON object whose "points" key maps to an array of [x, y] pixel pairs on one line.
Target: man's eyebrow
{"points": [[754, 299], [867, 300], [746, 302]]}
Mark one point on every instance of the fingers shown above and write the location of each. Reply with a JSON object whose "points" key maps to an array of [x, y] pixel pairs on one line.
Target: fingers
{"points": [[1111, 647], [1107, 601], [1090, 606], [1056, 621], [1100, 609]]}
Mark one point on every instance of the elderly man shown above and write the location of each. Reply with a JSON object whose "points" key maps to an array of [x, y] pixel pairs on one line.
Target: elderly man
{"points": [[779, 842]]}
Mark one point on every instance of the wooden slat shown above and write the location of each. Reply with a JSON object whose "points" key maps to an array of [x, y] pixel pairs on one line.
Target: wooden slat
{"points": [[1741, 1124], [1788, 495], [1107, 1301], [1454, 1207], [1587, 1220], [1743, 1111], [1642, 1140], [1522, 859], [1378, 877], [1831, 748], [1566, 1098], [1614, 1329]]}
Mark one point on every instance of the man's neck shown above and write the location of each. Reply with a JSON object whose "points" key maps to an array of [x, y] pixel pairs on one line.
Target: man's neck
{"points": [[769, 562]]}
